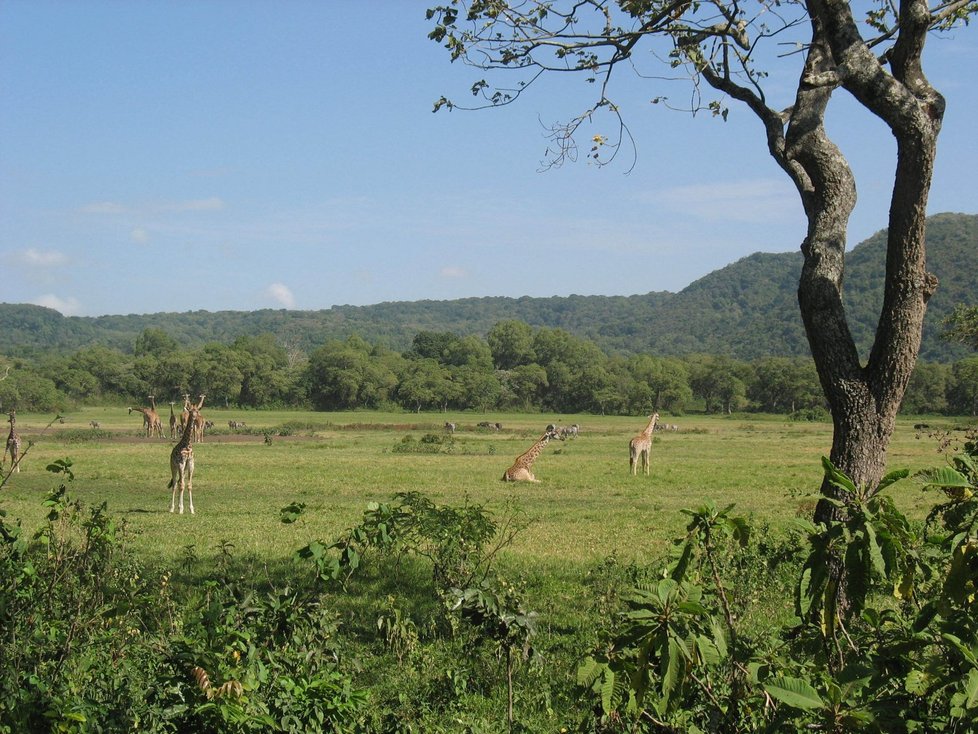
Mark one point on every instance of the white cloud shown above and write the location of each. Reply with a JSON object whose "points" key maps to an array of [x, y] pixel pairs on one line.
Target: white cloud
{"points": [[38, 259], [139, 235], [281, 293], [67, 306], [452, 271]]}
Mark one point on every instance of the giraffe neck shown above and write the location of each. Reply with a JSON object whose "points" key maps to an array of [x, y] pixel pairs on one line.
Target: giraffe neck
{"points": [[650, 428], [188, 431], [534, 451]]}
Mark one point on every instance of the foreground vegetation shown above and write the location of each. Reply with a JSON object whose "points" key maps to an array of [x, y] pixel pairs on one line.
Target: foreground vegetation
{"points": [[369, 572]]}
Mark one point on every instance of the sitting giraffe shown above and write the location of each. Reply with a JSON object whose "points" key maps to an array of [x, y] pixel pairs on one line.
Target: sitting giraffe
{"points": [[521, 470], [641, 447], [13, 445], [182, 465]]}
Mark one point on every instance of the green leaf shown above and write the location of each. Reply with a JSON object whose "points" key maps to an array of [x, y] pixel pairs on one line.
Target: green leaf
{"points": [[944, 477], [794, 692], [892, 477], [970, 700], [672, 671], [917, 682], [607, 690], [838, 478], [875, 554]]}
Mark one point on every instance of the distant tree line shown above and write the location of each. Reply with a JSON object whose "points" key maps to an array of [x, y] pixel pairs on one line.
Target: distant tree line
{"points": [[516, 367]]}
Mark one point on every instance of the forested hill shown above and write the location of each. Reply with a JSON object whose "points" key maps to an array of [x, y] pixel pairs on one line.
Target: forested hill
{"points": [[746, 310]]}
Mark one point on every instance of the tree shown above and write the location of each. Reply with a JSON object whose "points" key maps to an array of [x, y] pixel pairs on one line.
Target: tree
{"points": [[217, 374], [722, 45], [155, 342], [524, 386], [785, 384], [661, 383], [511, 343], [927, 391], [961, 325], [424, 382], [720, 382], [962, 391]]}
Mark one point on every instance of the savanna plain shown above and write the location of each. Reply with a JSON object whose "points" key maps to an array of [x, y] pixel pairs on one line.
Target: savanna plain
{"points": [[586, 529], [586, 506]]}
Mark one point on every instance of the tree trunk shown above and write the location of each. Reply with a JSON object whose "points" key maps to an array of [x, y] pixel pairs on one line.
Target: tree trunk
{"points": [[864, 400]]}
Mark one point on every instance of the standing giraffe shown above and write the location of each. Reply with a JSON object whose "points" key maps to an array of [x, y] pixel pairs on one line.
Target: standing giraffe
{"points": [[156, 424], [173, 422], [182, 464], [521, 470], [199, 420], [641, 446], [184, 416], [13, 445], [147, 419]]}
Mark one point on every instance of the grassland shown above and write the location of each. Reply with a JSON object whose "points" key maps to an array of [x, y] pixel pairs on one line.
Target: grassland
{"points": [[586, 507], [593, 529]]}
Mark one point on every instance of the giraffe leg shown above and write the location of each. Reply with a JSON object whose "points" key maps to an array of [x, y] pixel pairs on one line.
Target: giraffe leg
{"points": [[174, 480], [189, 471]]}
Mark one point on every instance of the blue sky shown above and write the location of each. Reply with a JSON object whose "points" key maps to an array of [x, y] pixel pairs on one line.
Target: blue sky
{"points": [[219, 155]]}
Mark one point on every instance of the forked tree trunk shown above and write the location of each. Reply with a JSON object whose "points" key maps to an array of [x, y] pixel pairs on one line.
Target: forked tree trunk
{"points": [[865, 398]]}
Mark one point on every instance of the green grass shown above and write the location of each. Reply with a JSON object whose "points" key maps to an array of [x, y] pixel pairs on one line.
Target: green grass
{"points": [[593, 527], [586, 507]]}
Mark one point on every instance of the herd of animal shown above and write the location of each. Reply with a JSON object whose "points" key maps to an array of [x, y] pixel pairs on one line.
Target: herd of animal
{"points": [[191, 426]]}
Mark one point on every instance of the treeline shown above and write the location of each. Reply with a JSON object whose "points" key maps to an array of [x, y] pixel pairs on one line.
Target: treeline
{"points": [[748, 310], [516, 367]]}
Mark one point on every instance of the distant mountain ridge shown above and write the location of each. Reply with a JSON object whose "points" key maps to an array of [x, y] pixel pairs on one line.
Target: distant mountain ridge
{"points": [[747, 310]]}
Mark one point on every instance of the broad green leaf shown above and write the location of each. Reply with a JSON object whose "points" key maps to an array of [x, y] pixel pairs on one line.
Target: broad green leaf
{"points": [[971, 690], [958, 645], [943, 478], [804, 598], [607, 690], [589, 671], [875, 554], [838, 478], [917, 682], [672, 669], [892, 477], [794, 692], [758, 671], [719, 637]]}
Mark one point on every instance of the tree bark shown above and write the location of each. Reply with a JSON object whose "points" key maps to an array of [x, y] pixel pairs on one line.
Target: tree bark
{"points": [[864, 399]]}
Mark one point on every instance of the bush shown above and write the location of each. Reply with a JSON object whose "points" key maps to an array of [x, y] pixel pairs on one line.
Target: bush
{"points": [[92, 642]]}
